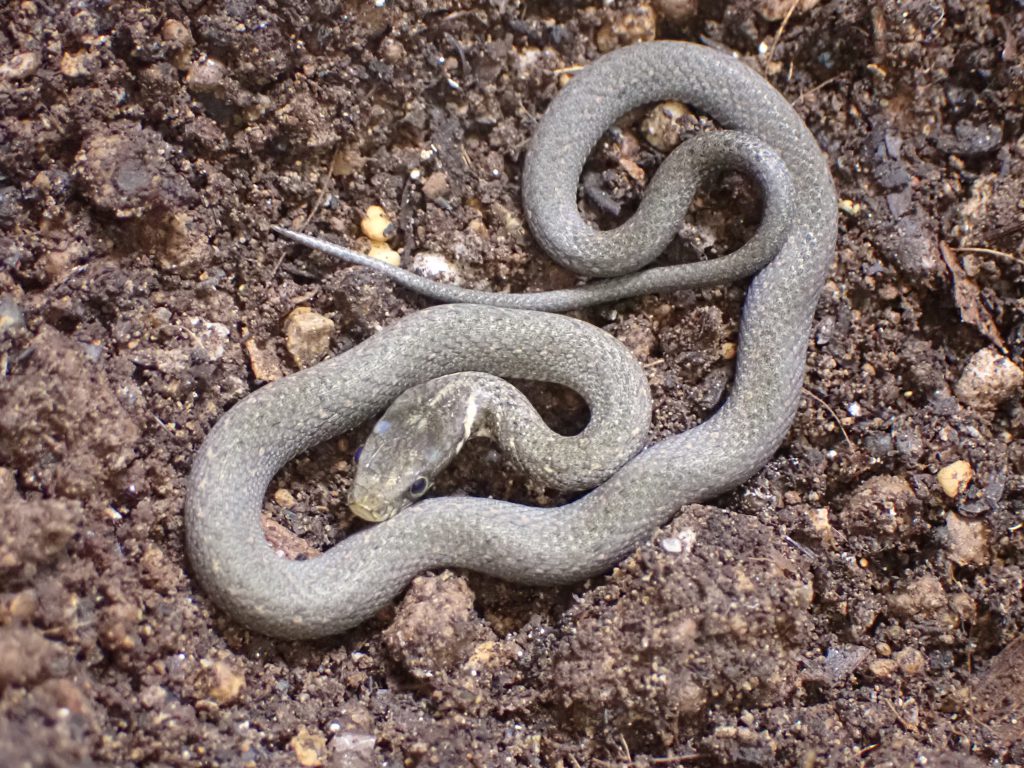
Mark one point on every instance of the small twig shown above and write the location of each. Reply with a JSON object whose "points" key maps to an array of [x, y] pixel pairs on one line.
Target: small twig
{"points": [[678, 760], [162, 423], [835, 416], [625, 748], [572, 69], [805, 551], [781, 29], [899, 718], [818, 87], [989, 252]]}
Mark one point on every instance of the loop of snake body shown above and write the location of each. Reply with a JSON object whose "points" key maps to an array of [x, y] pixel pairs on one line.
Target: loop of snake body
{"points": [[351, 581]]}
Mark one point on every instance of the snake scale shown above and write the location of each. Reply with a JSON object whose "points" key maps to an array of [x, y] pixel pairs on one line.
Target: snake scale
{"points": [[348, 583]]}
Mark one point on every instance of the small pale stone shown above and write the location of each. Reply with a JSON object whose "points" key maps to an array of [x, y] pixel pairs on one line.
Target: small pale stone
{"points": [[883, 669], [173, 31], [20, 66], [672, 545], [307, 335], [12, 319], [264, 363], [664, 123], [179, 36], [988, 380], [225, 682], [206, 76], [967, 541], [354, 749], [209, 340], [78, 64], [953, 478], [818, 517], [433, 265], [56, 263], [23, 606], [284, 498], [384, 252], [309, 747], [911, 661], [376, 225], [391, 50]]}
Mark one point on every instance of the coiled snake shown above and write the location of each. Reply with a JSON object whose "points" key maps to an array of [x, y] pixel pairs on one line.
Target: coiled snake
{"points": [[352, 580]]}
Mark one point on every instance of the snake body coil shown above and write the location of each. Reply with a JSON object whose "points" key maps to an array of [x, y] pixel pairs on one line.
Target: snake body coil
{"points": [[352, 580]]}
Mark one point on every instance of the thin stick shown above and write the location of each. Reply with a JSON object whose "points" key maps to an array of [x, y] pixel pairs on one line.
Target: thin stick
{"points": [[835, 416], [989, 252], [781, 29]]}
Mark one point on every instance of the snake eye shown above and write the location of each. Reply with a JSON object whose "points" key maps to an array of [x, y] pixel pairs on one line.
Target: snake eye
{"points": [[357, 454], [418, 487]]}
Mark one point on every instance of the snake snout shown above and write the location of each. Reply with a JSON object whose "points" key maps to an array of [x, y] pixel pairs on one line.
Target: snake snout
{"points": [[369, 506]]}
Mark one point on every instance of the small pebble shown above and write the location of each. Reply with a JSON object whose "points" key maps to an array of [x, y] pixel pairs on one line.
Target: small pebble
{"points": [[173, 31], [988, 380], [307, 335], [849, 207], [209, 340], [284, 498], [665, 123], [911, 661], [224, 682], [391, 50], [433, 265], [672, 545], [206, 76], [20, 66], [56, 263], [883, 669], [78, 65], [376, 225], [263, 362], [310, 747], [354, 749], [954, 478], [967, 541], [179, 36], [12, 319]]}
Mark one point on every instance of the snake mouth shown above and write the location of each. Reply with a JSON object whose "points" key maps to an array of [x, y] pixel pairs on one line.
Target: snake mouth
{"points": [[370, 508]]}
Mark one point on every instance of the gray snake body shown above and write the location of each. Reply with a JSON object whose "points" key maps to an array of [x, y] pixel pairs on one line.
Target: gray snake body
{"points": [[349, 582]]}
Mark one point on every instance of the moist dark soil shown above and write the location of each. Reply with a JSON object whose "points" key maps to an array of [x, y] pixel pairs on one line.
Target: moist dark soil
{"points": [[858, 602]]}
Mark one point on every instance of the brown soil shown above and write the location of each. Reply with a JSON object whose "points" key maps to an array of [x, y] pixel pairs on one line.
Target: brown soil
{"points": [[838, 609]]}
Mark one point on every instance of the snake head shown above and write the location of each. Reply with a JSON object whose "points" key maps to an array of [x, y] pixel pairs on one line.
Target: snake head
{"points": [[411, 444]]}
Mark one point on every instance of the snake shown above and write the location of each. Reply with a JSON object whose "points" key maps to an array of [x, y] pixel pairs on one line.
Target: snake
{"points": [[519, 335]]}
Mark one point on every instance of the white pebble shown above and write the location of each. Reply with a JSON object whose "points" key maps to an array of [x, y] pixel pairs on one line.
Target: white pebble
{"points": [[988, 380], [672, 545]]}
